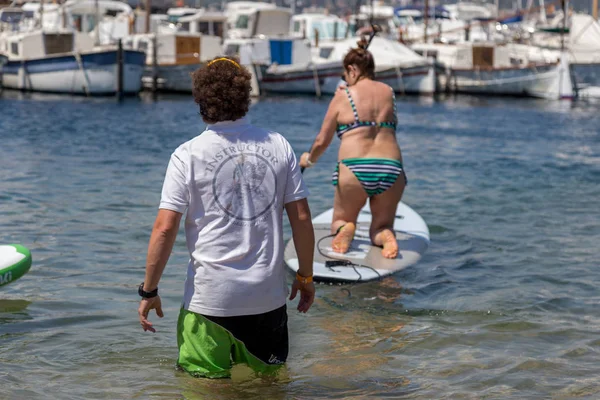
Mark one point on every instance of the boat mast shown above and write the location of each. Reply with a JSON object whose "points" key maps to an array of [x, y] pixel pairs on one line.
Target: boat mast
{"points": [[564, 25], [42, 14], [543, 11], [147, 6], [356, 16], [595, 10], [97, 27], [425, 20]]}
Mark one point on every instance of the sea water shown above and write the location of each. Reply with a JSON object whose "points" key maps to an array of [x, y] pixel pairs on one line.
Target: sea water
{"points": [[504, 304]]}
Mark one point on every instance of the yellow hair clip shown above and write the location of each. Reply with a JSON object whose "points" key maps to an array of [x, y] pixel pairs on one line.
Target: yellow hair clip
{"points": [[223, 59]]}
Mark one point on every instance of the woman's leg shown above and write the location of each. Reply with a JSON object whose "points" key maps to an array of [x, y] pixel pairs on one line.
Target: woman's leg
{"points": [[383, 210], [348, 199]]}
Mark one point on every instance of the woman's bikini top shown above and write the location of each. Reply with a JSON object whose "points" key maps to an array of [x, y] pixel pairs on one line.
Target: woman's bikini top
{"points": [[343, 128]]}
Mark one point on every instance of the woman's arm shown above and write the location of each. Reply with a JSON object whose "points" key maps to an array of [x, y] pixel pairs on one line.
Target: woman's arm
{"points": [[325, 136]]}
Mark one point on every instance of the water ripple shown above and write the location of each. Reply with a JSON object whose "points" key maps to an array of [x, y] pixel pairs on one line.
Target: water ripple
{"points": [[503, 305]]}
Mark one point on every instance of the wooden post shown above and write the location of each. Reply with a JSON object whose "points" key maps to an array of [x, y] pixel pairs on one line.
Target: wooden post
{"points": [[595, 9], [120, 69], [154, 63]]}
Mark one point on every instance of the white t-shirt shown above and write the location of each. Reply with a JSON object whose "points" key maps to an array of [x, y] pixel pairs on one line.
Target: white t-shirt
{"points": [[234, 180]]}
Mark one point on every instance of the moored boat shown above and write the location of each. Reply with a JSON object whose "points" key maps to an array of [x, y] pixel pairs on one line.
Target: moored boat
{"points": [[68, 62]]}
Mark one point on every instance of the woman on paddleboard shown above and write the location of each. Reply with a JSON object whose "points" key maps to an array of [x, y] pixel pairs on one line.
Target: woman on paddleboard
{"points": [[363, 115]]}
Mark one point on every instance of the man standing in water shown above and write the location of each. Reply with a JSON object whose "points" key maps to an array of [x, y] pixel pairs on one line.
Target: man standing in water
{"points": [[234, 180]]}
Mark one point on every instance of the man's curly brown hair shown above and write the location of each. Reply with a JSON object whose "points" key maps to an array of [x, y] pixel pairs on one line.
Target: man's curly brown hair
{"points": [[222, 90]]}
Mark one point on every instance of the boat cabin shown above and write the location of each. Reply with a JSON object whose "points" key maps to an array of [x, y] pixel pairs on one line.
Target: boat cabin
{"points": [[37, 44], [205, 22], [319, 27], [268, 22], [267, 51], [177, 48]]}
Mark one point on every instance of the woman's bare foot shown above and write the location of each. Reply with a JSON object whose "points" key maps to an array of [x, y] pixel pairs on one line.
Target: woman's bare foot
{"points": [[390, 245], [343, 239]]}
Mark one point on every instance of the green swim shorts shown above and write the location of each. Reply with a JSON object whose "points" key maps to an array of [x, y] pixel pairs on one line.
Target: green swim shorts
{"points": [[209, 346]]}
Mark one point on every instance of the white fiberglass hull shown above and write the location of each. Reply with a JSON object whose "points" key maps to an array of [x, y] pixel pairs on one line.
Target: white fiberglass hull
{"points": [[94, 73], [419, 79], [306, 79], [549, 81], [171, 78]]}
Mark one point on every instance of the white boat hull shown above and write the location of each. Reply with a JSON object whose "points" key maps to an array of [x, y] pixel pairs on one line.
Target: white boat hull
{"points": [[586, 79], [300, 80], [549, 81], [95, 73], [418, 79], [171, 78], [326, 79]]}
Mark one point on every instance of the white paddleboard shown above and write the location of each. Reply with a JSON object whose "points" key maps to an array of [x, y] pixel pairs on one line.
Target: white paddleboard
{"points": [[364, 261]]}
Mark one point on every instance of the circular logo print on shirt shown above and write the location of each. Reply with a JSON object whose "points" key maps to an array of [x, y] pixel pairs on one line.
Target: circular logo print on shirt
{"points": [[244, 186]]}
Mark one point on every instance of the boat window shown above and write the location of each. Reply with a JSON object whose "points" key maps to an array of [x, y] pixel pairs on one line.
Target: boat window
{"points": [[330, 27], [11, 16], [402, 20], [317, 27], [242, 22], [204, 28], [516, 61], [184, 26], [90, 23], [231, 50], [218, 29], [56, 43], [296, 26], [143, 45], [14, 48], [128, 44], [325, 52]]}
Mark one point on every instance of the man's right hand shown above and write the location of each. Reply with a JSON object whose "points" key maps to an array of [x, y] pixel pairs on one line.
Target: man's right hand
{"points": [[146, 305], [307, 294]]}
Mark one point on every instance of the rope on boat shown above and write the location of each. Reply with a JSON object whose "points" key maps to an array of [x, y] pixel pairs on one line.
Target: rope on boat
{"points": [[400, 80], [316, 78], [86, 87]]}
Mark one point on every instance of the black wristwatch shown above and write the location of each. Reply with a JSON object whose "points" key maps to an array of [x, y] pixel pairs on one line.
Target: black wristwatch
{"points": [[147, 295]]}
